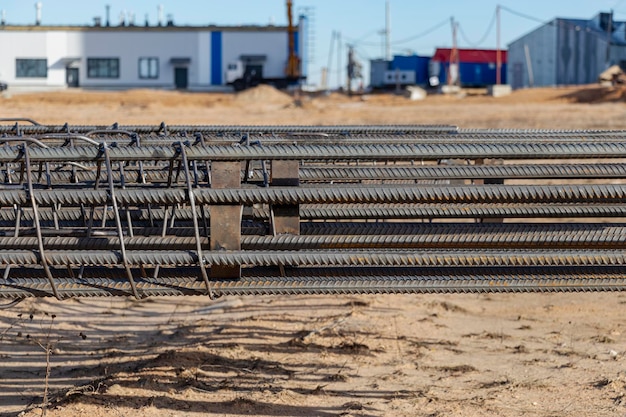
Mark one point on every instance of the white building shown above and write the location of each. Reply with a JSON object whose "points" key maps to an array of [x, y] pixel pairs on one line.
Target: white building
{"points": [[121, 57]]}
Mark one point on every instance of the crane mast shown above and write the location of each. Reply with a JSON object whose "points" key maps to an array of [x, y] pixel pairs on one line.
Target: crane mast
{"points": [[293, 61]]}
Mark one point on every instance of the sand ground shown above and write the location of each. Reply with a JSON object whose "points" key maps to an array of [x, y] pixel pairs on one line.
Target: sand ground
{"points": [[392, 355]]}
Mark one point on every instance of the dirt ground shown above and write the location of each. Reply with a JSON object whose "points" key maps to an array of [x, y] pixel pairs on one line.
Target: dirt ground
{"points": [[392, 355], [563, 108]]}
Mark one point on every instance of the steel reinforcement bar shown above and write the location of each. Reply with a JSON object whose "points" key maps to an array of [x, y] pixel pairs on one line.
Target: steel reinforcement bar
{"points": [[220, 210], [76, 217], [12, 125], [381, 152], [134, 174], [381, 235], [395, 194], [304, 258], [28, 126], [411, 284], [130, 139]]}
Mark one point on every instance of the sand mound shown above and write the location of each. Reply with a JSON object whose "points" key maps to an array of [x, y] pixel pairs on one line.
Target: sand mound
{"points": [[264, 94]]}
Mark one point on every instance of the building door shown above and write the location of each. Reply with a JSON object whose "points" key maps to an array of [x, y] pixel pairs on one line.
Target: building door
{"points": [[71, 77], [181, 78]]}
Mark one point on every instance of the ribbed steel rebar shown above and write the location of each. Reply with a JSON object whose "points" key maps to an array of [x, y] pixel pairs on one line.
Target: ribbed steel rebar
{"points": [[327, 258], [478, 231], [94, 287], [513, 150], [382, 173], [386, 235], [458, 211], [536, 171], [269, 131], [373, 138], [546, 132], [82, 216], [547, 194], [516, 194], [74, 217], [239, 129], [451, 237]]}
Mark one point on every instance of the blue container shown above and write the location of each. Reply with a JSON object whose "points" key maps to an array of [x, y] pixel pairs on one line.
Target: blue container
{"points": [[418, 64], [474, 74]]}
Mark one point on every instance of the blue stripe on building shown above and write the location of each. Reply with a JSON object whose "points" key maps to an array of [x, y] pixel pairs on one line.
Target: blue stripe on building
{"points": [[216, 58], [296, 38]]}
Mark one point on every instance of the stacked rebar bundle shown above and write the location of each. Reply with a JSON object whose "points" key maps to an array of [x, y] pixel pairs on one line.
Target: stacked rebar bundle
{"points": [[219, 210]]}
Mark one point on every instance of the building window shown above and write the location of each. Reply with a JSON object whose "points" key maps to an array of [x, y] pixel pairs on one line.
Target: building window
{"points": [[31, 68], [148, 68], [103, 67]]}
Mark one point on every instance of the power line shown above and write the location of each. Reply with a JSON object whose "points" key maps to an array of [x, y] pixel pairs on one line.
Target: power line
{"points": [[525, 16], [421, 35], [564, 23], [411, 38], [360, 39], [484, 37], [362, 55]]}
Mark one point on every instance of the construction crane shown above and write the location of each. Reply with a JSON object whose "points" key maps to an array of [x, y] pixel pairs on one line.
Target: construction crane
{"points": [[293, 61]]}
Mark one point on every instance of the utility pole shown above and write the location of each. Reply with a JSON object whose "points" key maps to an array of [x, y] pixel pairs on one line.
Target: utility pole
{"points": [[387, 31], [326, 79], [108, 15], [498, 52], [355, 69], [451, 53], [350, 68], [608, 39], [38, 6], [339, 60], [453, 65]]}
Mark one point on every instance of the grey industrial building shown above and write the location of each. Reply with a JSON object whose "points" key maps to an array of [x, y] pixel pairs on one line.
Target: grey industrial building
{"points": [[567, 52]]}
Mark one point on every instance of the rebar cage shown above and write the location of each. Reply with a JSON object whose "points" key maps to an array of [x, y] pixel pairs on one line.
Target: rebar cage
{"points": [[224, 210]]}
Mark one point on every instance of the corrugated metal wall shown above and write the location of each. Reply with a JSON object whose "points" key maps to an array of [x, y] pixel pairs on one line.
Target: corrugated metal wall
{"points": [[541, 44], [582, 55], [561, 53]]}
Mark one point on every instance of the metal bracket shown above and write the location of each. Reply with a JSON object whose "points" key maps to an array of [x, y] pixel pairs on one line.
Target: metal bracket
{"points": [[285, 218], [226, 219]]}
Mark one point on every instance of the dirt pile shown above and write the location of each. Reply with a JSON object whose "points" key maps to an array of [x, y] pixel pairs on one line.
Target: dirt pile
{"points": [[264, 94]]}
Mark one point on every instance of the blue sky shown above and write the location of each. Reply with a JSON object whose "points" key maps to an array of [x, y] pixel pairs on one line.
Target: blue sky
{"points": [[359, 21]]}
